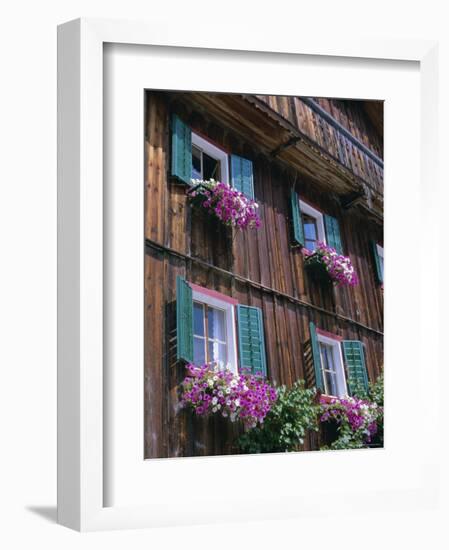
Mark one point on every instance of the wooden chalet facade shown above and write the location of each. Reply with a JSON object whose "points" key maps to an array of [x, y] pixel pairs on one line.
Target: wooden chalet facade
{"points": [[324, 154]]}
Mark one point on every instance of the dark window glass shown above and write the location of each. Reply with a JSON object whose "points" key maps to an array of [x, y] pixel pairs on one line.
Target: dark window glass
{"points": [[196, 163], [211, 168]]}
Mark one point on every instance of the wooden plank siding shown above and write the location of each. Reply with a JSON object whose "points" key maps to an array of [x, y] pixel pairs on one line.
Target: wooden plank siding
{"points": [[256, 267], [350, 115]]}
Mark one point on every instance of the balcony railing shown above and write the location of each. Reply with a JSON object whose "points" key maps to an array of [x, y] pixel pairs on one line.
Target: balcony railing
{"points": [[307, 116]]}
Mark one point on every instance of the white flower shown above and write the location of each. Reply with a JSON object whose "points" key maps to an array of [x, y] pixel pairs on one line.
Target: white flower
{"points": [[218, 406], [215, 378], [214, 400], [228, 390], [214, 409], [211, 382], [237, 402]]}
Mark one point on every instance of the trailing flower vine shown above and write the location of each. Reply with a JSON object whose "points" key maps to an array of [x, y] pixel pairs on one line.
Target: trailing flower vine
{"points": [[224, 202], [208, 390], [290, 418], [338, 267]]}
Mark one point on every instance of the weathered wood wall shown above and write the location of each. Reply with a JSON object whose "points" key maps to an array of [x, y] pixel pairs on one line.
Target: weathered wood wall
{"points": [[256, 267]]}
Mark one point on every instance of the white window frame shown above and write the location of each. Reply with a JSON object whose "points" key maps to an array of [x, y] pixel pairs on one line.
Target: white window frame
{"points": [[339, 364], [380, 253], [317, 215], [229, 309], [214, 152]]}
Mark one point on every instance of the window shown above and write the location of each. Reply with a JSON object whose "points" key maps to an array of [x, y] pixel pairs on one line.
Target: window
{"points": [[332, 368], [207, 325], [339, 364], [193, 157], [209, 335], [380, 255], [214, 339], [313, 226], [208, 161]]}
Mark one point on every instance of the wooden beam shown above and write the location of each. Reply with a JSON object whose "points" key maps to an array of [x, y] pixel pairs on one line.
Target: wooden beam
{"points": [[167, 250], [284, 146]]}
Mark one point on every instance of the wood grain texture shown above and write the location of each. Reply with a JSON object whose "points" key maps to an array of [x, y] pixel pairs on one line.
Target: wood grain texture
{"points": [[264, 257]]}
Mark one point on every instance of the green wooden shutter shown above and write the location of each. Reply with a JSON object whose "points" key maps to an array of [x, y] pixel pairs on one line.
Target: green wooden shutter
{"points": [[184, 320], [333, 236], [355, 367], [297, 227], [377, 264], [251, 340], [242, 175], [319, 382], [181, 150]]}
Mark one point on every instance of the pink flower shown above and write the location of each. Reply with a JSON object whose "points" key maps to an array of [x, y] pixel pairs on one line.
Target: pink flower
{"points": [[338, 267], [226, 203], [240, 396]]}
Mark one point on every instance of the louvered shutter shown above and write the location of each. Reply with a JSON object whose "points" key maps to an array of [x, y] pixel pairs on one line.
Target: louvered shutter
{"points": [[355, 366], [181, 151], [377, 263], [297, 227], [184, 320], [319, 383], [333, 236], [251, 340], [242, 175]]}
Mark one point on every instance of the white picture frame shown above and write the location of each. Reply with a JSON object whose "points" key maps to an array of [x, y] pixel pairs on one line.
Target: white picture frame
{"points": [[82, 491]]}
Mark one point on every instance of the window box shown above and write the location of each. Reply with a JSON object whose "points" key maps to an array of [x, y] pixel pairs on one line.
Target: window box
{"points": [[316, 269], [328, 265], [221, 201], [197, 195]]}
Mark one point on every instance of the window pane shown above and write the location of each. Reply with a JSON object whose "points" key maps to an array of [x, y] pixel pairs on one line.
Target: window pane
{"points": [[217, 353], [199, 356], [211, 167], [327, 357], [310, 231], [330, 383], [196, 162], [310, 245], [198, 319], [216, 324]]}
